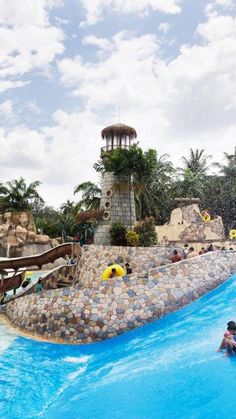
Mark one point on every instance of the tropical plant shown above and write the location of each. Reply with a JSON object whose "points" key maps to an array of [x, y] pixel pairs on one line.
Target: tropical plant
{"points": [[147, 232], [91, 195], [93, 216], [118, 234], [17, 196], [132, 238], [197, 162]]}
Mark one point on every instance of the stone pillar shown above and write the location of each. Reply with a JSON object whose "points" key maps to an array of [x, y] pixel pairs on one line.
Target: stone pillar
{"points": [[118, 201]]}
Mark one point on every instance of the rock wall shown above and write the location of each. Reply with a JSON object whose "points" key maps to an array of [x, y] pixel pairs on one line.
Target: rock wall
{"points": [[18, 230], [186, 225], [109, 308], [94, 260]]}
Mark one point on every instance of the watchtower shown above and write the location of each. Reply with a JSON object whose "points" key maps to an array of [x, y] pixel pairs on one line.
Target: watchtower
{"points": [[117, 198]]}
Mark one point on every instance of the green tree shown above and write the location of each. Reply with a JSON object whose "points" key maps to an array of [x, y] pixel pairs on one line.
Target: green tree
{"points": [[17, 196], [91, 195], [220, 191], [197, 162]]}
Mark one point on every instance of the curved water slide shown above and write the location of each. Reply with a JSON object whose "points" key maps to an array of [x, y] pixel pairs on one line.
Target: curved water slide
{"points": [[66, 249], [11, 281]]}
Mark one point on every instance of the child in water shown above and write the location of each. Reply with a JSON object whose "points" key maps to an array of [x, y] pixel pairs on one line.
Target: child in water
{"points": [[228, 341]]}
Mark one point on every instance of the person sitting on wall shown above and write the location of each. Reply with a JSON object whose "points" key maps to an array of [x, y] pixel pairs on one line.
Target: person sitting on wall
{"points": [[113, 273], [176, 257], [128, 269], [210, 248], [185, 250], [39, 286], [192, 253], [202, 251]]}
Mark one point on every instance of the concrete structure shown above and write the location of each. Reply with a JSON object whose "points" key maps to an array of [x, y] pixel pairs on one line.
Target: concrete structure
{"points": [[117, 192], [186, 225]]}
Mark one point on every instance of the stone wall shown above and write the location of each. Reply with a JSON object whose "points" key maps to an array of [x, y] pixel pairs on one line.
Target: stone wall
{"points": [[118, 201], [94, 260], [109, 308], [63, 275]]}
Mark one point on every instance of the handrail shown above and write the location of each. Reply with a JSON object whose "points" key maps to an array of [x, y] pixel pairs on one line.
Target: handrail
{"points": [[49, 256]]}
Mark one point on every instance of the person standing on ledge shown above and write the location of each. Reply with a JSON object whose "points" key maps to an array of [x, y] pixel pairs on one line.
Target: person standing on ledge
{"points": [[128, 269], [176, 257], [185, 251], [39, 286]]}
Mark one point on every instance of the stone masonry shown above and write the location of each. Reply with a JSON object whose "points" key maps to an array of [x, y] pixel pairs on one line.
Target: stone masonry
{"points": [[108, 308], [118, 201]]}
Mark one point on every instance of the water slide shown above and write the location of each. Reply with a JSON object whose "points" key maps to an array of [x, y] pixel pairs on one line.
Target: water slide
{"points": [[10, 282], [70, 249]]}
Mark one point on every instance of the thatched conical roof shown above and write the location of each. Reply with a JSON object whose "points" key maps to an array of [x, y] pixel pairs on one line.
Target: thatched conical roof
{"points": [[119, 130]]}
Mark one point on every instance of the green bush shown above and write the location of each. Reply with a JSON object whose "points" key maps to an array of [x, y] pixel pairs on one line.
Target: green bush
{"points": [[118, 234], [147, 232], [132, 238]]}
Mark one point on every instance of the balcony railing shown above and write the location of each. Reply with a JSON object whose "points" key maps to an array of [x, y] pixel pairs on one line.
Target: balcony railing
{"points": [[108, 148]]}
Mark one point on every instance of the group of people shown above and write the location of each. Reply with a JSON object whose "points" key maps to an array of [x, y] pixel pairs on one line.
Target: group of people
{"points": [[229, 340], [189, 252]]}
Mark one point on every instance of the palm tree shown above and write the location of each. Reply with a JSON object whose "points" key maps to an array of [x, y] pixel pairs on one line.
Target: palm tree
{"points": [[149, 175], [197, 162], [91, 195], [228, 170], [227, 190], [18, 196]]}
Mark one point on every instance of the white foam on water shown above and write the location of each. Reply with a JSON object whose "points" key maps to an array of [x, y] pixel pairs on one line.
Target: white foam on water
{"points": [[6, 338], [77, 360], [73, 375]]}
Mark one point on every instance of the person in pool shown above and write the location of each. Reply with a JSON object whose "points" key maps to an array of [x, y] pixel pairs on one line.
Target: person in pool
{"points": [[228, 342]]}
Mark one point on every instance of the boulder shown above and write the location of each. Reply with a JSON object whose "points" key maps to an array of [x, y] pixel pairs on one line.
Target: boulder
{"points": [[31, 236], [41, 239], [21, 234]]}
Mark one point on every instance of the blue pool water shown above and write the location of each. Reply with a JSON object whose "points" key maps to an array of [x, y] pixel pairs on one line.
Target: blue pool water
{"points": [[167, 369]]}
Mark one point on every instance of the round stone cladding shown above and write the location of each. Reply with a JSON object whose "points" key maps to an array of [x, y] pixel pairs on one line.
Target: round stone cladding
{"points": [[109, 308]]}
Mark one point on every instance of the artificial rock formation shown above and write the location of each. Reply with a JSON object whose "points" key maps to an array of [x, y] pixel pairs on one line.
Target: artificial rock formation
{"points": [[186, 225], [16, 231]]}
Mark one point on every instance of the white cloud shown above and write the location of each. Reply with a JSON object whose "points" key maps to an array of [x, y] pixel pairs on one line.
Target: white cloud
{"points": [[189, 100], [96, 8], [164, 27], [60, 156], [215, 5], [27, 40], [8, 84], [6, 110]]}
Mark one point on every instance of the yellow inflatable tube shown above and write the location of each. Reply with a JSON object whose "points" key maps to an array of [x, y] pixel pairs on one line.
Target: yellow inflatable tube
{"points": [[232, 234], [108, 272]]}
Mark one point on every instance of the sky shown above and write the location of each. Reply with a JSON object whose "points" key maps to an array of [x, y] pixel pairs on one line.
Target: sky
{"points": [[69, 68]]}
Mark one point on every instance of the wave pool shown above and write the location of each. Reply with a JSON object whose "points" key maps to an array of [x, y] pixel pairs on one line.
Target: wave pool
{"points": [[167, 369]]}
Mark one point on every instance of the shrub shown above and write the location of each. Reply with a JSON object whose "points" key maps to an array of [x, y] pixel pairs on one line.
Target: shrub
{"points": [[132, 238], [118, 234], [146, 232]]}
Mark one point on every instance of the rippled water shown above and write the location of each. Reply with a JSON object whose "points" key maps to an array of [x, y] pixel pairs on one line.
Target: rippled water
{"points": [[168, 369]]}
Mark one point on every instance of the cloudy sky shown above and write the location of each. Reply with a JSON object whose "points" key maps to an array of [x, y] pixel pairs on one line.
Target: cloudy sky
{"points": [[68, 68]]}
